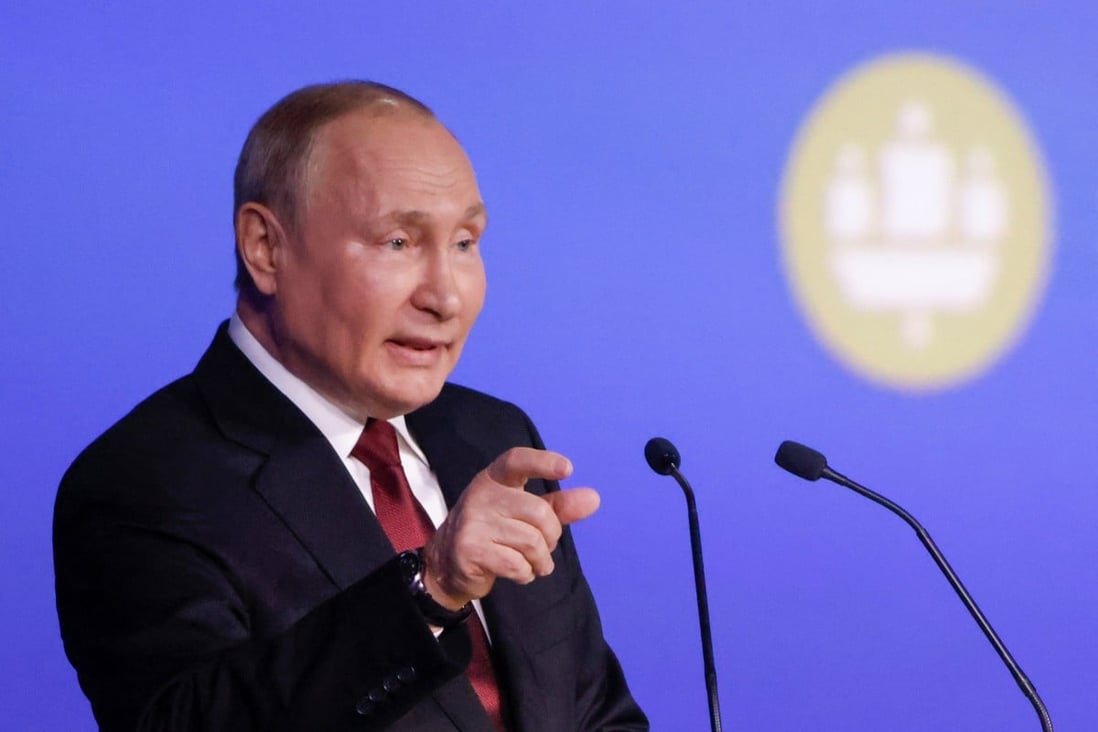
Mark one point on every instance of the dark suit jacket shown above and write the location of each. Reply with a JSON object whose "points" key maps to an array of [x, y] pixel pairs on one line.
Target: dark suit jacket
{"points": [[218, 569]]}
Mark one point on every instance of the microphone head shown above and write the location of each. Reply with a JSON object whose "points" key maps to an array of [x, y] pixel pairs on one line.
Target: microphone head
{"points": [[661, 455], [802, 461]]}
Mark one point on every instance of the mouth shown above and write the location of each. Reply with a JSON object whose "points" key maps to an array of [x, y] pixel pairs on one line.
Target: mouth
{"points": [[416, 351]]}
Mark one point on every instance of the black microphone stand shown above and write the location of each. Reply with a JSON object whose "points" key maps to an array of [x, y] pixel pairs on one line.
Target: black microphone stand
{"points": [[1015, 670], [703, 602]]}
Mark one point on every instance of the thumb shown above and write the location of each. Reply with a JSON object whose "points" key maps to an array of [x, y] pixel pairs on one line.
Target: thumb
{"points": [[574, 504]]}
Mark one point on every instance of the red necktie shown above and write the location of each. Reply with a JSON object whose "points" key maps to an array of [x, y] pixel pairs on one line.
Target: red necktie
{"points": [[408, 527]]}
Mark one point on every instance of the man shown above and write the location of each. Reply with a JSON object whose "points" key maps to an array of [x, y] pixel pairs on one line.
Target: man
{"points": [[227, 554]]}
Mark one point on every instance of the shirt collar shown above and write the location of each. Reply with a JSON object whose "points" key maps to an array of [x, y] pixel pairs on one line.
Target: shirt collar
{"points": [[338, 427]]}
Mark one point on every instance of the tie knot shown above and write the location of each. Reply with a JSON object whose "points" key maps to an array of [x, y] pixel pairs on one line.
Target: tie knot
{"points": [[377, 446]]}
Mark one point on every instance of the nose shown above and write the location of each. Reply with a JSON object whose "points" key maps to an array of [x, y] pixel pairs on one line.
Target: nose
{"points": [[439, 290]]}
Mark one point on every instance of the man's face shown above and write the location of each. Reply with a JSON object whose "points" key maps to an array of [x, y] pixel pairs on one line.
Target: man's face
{"points": [[382, 280]]}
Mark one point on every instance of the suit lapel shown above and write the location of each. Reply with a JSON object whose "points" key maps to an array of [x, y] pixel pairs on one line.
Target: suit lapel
{"points": [[302, 479], [454, 458], [307, 485]]}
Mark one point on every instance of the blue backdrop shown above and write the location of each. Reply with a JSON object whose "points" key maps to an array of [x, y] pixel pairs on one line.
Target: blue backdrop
{"points": [[632, 157]]}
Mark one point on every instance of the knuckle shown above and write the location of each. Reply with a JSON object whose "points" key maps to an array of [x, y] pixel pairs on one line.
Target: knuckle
{"points": [[511, 459], [519, 568], [543, 511], [529, 540], [480, 488], [467, 550], [514, 466], [547, 519]]}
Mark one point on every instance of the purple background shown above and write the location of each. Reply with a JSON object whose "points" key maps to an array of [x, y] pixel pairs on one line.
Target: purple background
{"points": [[631, 156]]}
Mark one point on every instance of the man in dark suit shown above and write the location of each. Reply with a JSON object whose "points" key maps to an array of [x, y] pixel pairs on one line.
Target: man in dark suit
{"points": [[312, 531]]}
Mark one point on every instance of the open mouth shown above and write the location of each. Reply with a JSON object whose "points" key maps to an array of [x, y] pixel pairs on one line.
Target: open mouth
{"points": [[416, 344], [416, 351]]}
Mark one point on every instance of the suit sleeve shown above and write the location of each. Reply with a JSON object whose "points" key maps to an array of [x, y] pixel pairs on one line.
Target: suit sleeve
{"points": [[160, 632]]}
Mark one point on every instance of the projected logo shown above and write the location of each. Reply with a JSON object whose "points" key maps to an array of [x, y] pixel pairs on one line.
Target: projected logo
{"points": [[915, 222]]}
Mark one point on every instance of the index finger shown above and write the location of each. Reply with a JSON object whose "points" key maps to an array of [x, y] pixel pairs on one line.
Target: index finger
{"points": [[519, 464]]}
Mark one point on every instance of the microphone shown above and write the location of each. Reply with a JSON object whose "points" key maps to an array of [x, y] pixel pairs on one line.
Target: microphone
{"points": [[663, 458], [804, 462]]}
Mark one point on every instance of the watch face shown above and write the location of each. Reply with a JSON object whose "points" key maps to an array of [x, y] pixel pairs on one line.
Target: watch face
{"points": [[410, 566]]}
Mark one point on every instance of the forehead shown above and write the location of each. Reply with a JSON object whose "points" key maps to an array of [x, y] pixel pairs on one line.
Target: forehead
{"points": [[381, 142]]}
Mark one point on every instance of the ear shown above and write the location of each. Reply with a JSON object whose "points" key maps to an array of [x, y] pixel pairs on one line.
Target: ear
{"points": [[259, 239]]}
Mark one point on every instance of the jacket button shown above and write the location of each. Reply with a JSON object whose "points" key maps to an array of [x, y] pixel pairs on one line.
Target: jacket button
{"points": [[365, 707], [376, 695], [390, 684], [406, 675]]}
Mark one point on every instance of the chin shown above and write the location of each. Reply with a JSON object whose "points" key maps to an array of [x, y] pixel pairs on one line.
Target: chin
{"points": [[409, 398]]}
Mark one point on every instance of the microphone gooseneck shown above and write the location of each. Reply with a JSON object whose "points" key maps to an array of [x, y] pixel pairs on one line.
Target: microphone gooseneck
{"points": [[804, 462], [664, 459]]}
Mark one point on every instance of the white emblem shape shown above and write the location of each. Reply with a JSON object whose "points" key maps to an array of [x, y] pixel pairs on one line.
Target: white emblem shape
{"points": [[919, 237]]}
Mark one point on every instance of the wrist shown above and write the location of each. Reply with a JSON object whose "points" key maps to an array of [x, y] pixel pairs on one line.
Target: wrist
{"points": [[434, 589], [437, 582], [437, 608]]}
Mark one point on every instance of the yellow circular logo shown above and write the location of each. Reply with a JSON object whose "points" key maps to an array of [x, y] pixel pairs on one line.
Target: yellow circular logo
{"points": [[915, 221]]}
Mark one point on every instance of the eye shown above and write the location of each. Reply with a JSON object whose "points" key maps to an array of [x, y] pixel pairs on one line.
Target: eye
{"points": [[397, 244], [465, 245]]}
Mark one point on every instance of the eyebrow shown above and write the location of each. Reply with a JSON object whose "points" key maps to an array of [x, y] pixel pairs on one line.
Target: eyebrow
{"points": [[417, 217]]}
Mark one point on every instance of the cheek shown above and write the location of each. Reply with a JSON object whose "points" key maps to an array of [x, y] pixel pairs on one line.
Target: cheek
{"points": [[475, 287], [366, 302], [367, 318]]}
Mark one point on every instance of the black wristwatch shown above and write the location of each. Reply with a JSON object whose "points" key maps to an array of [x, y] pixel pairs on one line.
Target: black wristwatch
{"points": [[412, 569]]}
